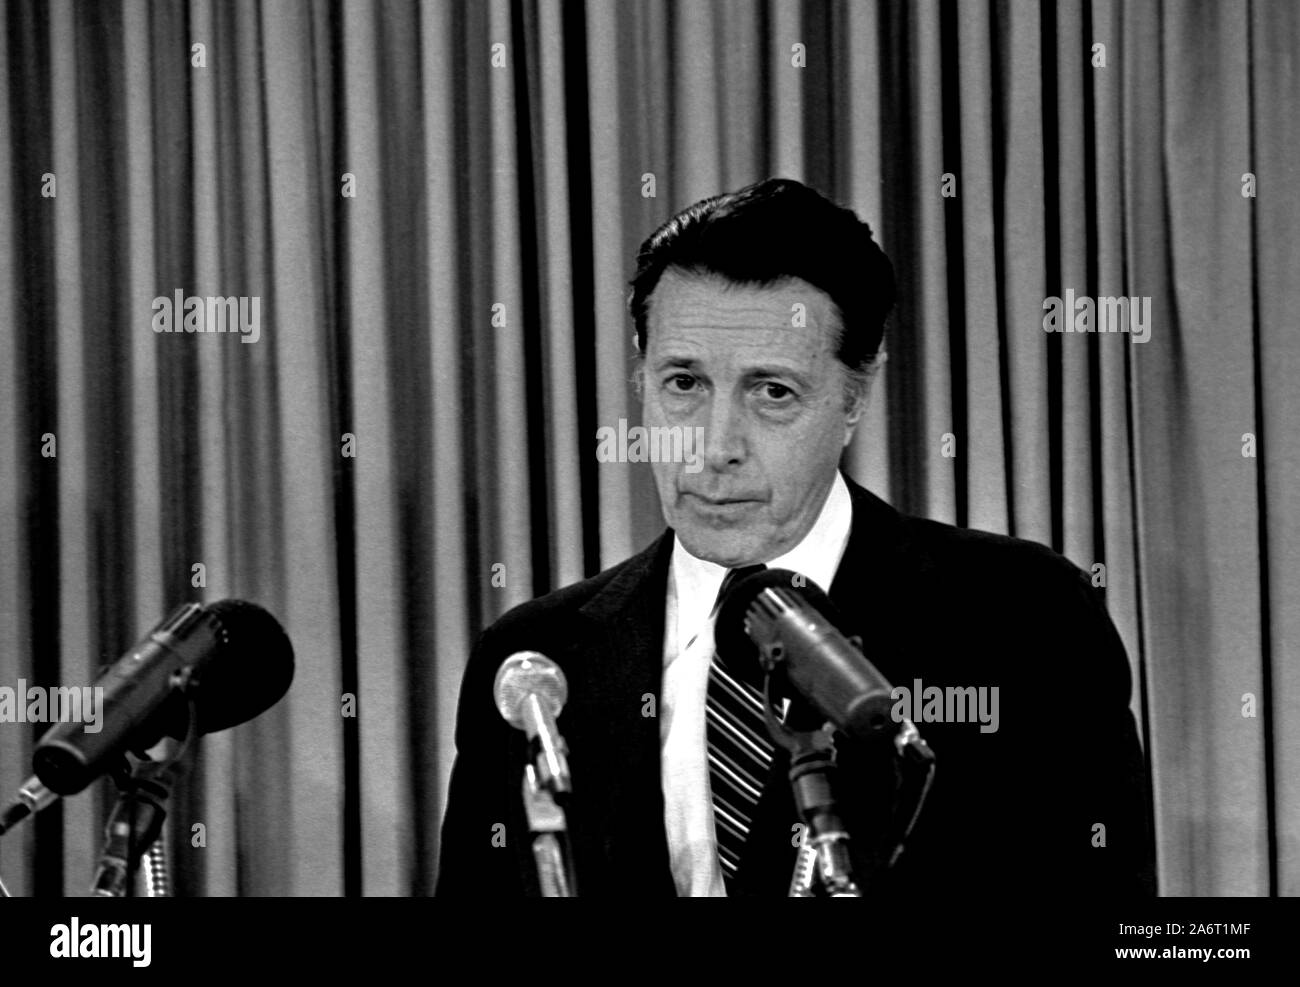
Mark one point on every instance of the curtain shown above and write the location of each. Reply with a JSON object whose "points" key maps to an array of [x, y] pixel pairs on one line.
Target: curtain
{"points": [[437, 206]]}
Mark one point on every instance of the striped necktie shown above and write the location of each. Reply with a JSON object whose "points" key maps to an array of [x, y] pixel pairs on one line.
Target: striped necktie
{"points": [[739, 749]]}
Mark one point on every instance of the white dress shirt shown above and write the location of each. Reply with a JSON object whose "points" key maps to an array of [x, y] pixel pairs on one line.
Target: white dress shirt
{"points": [[693, 586]]}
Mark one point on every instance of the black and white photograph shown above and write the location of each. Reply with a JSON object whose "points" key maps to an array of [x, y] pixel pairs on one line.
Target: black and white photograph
{"points": [[483, 450]]}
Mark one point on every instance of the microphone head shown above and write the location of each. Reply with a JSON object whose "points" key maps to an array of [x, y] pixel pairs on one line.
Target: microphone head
{"points": [[250, 671], [240, 662], [733, 642], [523, 673]]}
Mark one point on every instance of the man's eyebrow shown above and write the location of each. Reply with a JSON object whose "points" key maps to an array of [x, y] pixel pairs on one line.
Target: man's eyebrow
{"points": [[777, 370], [674, 360], [757, 372]]}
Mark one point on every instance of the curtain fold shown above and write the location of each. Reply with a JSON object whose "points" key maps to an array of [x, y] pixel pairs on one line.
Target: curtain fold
{"points": [[437, 207]]}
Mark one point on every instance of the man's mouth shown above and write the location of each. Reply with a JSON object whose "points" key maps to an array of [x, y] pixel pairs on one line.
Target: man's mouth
{"points": [[716, 502]]}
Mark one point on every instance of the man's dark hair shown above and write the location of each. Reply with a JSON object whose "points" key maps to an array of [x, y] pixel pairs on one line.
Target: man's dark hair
{"points": [[776, 229]]}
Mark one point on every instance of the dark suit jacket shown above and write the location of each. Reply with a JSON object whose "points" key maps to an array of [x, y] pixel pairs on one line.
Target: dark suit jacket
{"points": [[1018, 811]]}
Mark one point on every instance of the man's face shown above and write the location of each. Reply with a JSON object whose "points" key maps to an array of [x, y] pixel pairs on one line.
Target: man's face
{"points": [[769, 394]]}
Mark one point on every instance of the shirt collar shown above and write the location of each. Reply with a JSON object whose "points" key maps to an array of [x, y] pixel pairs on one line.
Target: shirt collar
{"points": [[817, 556]]}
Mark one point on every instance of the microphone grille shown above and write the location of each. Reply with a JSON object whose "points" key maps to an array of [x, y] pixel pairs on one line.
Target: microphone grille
{"points": [[753, 604], [527, 672], [253, 672]]}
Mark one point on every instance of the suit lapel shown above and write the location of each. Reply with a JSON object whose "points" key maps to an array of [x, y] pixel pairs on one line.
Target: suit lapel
{"points": [[873, 559], [616, 699]]}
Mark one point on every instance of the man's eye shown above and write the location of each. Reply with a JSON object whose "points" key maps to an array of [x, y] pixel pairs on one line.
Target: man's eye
{"points": [[681, 383], [776, 392]]}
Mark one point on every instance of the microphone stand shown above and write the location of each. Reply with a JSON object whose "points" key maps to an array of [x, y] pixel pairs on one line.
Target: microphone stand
{"points": [[135, 823], [546, 790], [134, 827], [546, 822], [823, 864], [824, 851]]}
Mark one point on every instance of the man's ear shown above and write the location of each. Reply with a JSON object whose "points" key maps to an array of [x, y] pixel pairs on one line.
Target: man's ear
{"points": [[856, 393], [638, 377], [854, 415], [861, 392]]}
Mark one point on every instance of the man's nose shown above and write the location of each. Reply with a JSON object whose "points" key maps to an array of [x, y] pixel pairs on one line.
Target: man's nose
{"points": [[726, 435]]}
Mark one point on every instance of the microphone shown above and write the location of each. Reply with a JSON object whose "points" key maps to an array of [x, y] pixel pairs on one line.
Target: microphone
{"points": [[783, 620], [529, 691], [232, 658]]}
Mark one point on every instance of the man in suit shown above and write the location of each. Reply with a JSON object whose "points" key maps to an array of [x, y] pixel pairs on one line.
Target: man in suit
{"points": [[759, 317]]}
